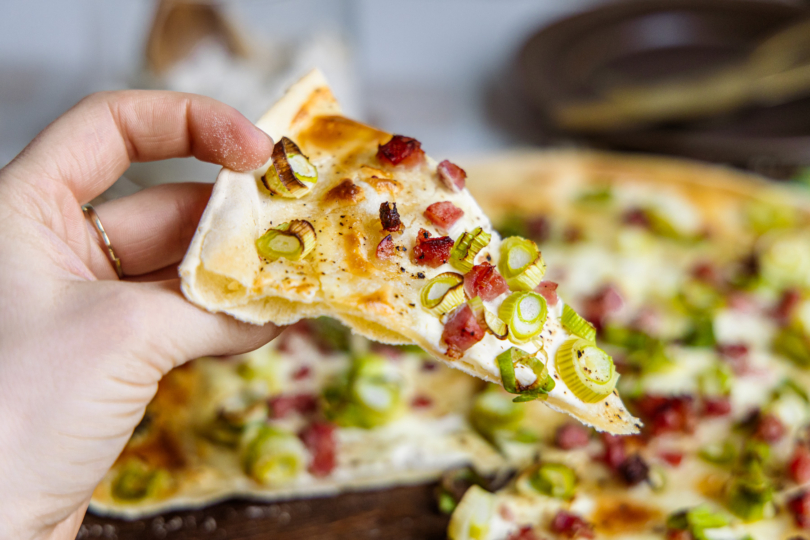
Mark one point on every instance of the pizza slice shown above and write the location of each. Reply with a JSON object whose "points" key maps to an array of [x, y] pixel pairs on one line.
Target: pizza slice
{"points": [[351, 222]]}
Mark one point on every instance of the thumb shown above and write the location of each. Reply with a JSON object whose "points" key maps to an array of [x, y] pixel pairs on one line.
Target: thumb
{"points": [[180, 331]]}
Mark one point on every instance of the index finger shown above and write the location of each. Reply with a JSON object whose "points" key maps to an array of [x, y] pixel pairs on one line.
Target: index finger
{"points": [[91, 145]]}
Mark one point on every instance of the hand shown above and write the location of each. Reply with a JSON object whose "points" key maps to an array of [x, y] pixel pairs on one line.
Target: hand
{"points": [[81, 352]]}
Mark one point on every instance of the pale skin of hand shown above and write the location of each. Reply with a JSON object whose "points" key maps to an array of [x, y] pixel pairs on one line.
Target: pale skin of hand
{"points": [[81, 353]]}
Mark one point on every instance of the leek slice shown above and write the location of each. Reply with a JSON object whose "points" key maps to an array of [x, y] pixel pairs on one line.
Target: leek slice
{"points": [[290, 174], [697, 520], [719, 453], [467, 246], [521, 264], [578, 326], [494, 413], [495, 326], [366, 396], [550, 479], [750, 495], [443, 293], [586, 369], [525, 314], [293, 240], [273, 457], [524, 374], [137, 481], [230, 423], [470, 521]]}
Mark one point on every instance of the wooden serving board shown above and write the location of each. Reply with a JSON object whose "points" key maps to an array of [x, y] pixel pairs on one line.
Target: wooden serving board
{"points": [[405, 513]]}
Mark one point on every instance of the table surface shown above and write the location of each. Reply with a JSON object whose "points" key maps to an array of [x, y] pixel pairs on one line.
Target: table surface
{"points": [[403, 513]]}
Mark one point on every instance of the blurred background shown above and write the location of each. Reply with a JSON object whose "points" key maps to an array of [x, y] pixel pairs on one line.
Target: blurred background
{"points": [[723, 80]]}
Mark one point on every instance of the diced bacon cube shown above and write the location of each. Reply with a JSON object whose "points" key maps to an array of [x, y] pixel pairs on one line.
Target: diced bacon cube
{"points": [[717, 406], [401, 150], [667, 414], [799, 506], [800, 464], [569, 525], [443, 214], [569, 436], [282, 406], [672, 458], [432, 252], [548, 289], [421, 402], [386, 250], [462, 331], [452, 176], [769, 429], [615, 450], [524, 533], [319, 438], [484, 280]]}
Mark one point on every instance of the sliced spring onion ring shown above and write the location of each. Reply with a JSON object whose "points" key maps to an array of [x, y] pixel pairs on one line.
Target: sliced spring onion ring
{"points": [[494, 415], [750, 495], [574, 323], [471, 519], [521, 264], [367, 396], [586, 369], [273, 456], [720, 453], [524, 374], [467, 246], [137, 481], [551, 479], [657, 478], [443, 293], [494, 325], [290, 174], [293, 240], [525, 314], [696, 520]]}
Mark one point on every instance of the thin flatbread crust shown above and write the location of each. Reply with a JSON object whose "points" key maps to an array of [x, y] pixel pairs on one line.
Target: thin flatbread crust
{"points": [[342, 277]]}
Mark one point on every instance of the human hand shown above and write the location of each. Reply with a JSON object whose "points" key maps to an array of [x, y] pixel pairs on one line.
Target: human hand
{"points": [[81, 352]]}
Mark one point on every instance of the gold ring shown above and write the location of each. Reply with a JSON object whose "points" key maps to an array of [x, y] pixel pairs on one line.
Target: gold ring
{"points": [[90, 213]]}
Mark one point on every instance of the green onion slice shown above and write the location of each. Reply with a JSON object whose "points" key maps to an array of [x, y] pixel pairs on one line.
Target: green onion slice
{"points": [[136, 481], [521, 264], [443, 293], [470, 520], [574, 323], [293, 240], [657, 478], [525, 314], [586, 369], [551, 479], [467, 246], [290, 173], [366, 396], [719, 453], [524, 374], [273, 456], [494, 414], [494, 325], [696, 520], [750, 495]]}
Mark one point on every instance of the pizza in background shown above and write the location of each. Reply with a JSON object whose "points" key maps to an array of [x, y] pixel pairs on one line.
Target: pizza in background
{"points": [[697, 280]]}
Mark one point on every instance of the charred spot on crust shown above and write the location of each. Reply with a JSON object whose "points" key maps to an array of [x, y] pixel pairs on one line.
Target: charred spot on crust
{"points": [[346, 192]]}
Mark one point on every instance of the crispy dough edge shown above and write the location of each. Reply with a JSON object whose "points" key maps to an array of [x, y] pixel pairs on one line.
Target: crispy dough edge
{"points": [[274, 123]]}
